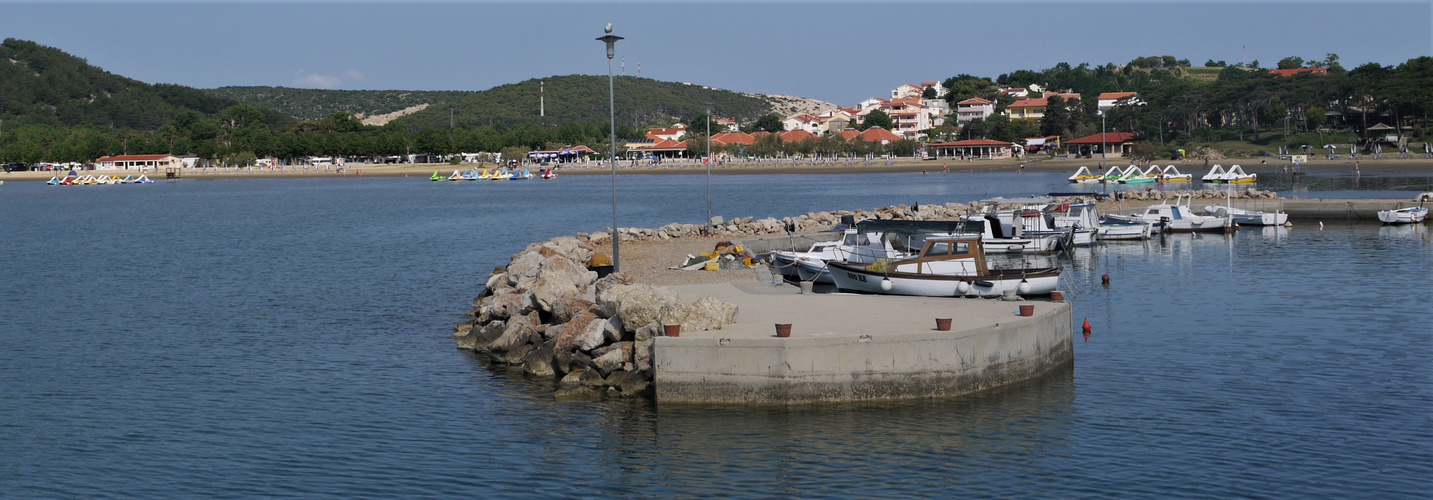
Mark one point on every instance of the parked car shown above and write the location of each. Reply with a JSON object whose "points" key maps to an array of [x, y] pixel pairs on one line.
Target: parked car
{"points": [[16, 167]]}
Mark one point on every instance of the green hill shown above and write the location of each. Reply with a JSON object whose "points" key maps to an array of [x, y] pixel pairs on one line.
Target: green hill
{"points": [[583, 99], [317, 104], [46, 86]]}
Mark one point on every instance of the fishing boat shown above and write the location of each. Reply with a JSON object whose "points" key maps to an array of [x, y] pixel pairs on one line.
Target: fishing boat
{"points": [[437, 177], [1410, 215], [1085, 176], [1171, 174], [856, 245], [1248, 217], [945, 267], [1178, 218], [1126, 230], [1081, 219]]}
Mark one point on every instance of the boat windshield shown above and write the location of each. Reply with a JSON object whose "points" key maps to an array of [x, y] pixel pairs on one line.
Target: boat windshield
{"points": [[856, 240]]}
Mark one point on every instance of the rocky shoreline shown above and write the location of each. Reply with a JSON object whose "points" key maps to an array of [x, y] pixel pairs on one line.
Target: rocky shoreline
{"points": [[547, 312]]}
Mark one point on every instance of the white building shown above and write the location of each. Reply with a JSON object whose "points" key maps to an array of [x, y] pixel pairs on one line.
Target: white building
{"points": [[1108, 99], [973, 108]]}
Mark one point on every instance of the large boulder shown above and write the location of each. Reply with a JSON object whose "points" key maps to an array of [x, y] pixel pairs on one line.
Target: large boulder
{"points": [[481, 337], [588, 377], [572, 248], [566, 309], [523, 269], [504, 306], [517, 333], [612, 357], [559, 278], [706, 314], [538, 363], [573, 329], [636, 304], [515, 356], [642, 355], [593, 335], [628, 382]]}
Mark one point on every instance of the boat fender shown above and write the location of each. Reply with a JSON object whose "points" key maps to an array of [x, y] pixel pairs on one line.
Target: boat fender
{"points": [[1023, 288], [886, 284], [962, 288], [984, 283]]}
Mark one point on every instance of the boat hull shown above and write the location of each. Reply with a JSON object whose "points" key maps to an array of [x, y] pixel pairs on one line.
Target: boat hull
{"points": [[1403, 216], [814, 271], [850, 278]]}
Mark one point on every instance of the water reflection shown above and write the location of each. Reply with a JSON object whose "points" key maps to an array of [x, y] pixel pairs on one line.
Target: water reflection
{"points": [[914, 447]]}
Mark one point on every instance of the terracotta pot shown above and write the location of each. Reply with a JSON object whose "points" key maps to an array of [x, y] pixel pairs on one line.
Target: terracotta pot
{"points": [[1028, 310], [672, 330], [783, 330], [942, 324], [1057, 296]]}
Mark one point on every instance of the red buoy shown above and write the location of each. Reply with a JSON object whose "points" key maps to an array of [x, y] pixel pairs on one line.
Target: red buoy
{"points": [[1105, 280], [1087, 329]]}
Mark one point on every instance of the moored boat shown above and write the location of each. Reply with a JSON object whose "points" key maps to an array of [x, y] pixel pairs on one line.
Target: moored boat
{"points": [[1171, 174], [437, 177], [1248, 217], [945, 267], [1410, 215], [1178, 218]]}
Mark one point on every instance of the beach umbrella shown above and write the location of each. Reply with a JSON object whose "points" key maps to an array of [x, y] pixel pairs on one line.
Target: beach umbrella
{"points": [[1329, 146]]}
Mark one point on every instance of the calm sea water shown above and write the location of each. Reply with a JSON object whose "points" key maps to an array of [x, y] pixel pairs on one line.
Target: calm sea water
{"points": [[289, 338]]}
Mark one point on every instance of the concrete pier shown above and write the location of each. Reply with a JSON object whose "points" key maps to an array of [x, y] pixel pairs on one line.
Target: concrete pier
{"points": [[846, 347], [1312, 210]]}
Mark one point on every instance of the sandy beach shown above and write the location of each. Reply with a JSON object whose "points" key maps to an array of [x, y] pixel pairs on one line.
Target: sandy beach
{"points": [[1416, 166]]}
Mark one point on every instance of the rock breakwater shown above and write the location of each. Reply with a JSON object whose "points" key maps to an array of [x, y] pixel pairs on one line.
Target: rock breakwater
{"points": [[546, 312]]}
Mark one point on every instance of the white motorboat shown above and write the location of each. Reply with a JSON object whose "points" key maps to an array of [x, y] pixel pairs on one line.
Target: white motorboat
{"points": [[946, 267], [1410, 215], [855, 245], [1117, 230], [1248, 217], [1177, 218], [1081, 219]]}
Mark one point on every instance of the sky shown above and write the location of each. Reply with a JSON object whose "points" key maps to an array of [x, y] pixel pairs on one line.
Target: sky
{"points": [[841, 52]]}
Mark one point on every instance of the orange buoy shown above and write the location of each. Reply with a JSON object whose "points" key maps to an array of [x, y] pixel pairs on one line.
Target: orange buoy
{"points": [[1087, 329], [1105, 280]]}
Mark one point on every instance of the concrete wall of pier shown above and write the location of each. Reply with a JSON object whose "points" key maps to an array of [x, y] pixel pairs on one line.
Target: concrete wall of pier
{"points": [[878, 366]]}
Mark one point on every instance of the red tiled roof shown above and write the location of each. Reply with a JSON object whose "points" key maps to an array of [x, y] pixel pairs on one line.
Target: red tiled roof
{"points": [[1110, 138], [847, 135], [729, 138], [1280, 73], [1117, 95], [974, 101], [878, 134], [796, 136], [929, 84], [665, 145], [974, 142], [760, 133], [132, 158], [1029, 103]]}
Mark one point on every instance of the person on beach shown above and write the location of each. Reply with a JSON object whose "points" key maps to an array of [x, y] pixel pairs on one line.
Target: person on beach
{"points": [[1022, 168], [1355, 169], [945, 168]]}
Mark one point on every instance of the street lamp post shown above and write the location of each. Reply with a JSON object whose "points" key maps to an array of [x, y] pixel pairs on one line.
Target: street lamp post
{"points": [[1102, 140], [611, 41], [708, 224]]}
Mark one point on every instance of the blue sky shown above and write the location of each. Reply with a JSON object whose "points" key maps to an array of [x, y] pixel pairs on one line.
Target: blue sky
{"points": [[841, 52]]}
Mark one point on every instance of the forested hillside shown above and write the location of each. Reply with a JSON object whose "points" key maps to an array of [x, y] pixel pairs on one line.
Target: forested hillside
{"points": [[316, 104], [584, 99], [44, 85]]}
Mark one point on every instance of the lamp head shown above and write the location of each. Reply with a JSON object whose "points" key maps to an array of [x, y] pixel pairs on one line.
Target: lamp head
{"points": [[608, 29]]}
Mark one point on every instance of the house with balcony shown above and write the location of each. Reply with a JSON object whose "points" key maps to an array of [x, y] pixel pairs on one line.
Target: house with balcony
{"points": [[1027, 109], [973, 108], [906, 91], [807, 122], [1111, 99]]}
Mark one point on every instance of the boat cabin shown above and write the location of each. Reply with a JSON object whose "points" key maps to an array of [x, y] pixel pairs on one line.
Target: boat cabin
{"points": [[947, 255]]}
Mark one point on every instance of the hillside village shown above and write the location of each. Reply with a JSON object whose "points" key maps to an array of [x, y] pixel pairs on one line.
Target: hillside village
{"points": [[915, 113]]}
